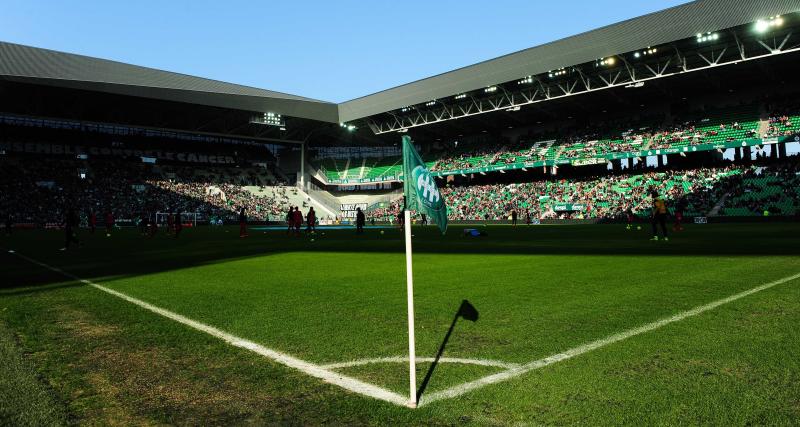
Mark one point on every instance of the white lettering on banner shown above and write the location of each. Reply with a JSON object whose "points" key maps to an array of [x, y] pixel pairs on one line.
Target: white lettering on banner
{"points": [[349, 210], [353, 206], [62, 149], [428, 188]]}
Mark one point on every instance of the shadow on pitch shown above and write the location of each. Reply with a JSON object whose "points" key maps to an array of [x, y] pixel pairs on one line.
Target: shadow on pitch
{"points": [[127, 254], [465, 311]]}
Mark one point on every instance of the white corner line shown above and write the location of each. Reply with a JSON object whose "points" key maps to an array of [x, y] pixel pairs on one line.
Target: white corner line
{"points": [[594, 345], [314, 370], [403, 359]]}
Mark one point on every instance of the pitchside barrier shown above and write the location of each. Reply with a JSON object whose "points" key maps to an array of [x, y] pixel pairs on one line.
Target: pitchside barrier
{"points": [[521, 223], [187, 218], [123, 223]]}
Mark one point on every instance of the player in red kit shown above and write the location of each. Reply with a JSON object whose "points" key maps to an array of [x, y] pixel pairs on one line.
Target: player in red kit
{"points": [[242, 223], [311, 221], [680, 208], [109, 223], [297, 220], [71, 222], [92, 221], [178, 223], [170, 223]]}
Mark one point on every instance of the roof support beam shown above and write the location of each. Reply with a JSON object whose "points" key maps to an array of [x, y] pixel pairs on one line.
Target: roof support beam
{"points": [[625, 76]]}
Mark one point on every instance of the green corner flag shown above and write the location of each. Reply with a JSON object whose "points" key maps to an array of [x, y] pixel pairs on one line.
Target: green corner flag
{"points": [[419, 187]]}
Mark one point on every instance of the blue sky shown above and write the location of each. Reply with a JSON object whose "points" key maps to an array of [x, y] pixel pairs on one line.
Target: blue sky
{"points": [[329, 50]]}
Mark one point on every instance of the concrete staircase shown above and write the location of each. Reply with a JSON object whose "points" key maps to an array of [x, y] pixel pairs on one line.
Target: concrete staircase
{"points": [[717, 207], [763, 127], [286, 196]]}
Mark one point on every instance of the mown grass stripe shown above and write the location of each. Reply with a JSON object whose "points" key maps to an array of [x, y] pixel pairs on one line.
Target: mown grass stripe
{"points": [[594, 345], [314, 370]]}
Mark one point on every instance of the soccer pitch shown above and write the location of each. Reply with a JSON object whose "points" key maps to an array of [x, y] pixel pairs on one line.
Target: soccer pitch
{"points": [[577, 324]]}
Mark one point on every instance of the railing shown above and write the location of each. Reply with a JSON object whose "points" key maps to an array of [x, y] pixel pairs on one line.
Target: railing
{"points": [[385, 200], [323, 198]]}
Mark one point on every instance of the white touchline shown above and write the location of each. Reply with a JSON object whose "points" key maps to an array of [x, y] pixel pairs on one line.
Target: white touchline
{"points": [[594, 345], [311, 369]]}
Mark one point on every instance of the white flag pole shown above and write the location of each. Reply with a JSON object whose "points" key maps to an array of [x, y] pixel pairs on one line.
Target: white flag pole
{"points": [[412, 369]]}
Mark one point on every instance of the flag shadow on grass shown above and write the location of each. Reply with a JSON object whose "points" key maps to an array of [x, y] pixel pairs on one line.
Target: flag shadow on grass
{"points": [[466, 311]]}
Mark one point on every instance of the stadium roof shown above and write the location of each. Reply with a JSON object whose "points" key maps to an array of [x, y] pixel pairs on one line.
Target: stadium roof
{"points": [[26, 64], [42, 66], [654, 29]]}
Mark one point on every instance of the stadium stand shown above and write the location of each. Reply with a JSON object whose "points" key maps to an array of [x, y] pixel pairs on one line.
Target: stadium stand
{"points": [[782, 123], [746, 190], [593, 141], [375, 169], [39, 192]]}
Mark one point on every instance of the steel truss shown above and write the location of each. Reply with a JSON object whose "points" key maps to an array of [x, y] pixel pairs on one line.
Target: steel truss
{"points": [[537, 89]]}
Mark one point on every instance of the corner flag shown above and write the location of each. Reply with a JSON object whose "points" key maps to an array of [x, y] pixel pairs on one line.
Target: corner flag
{"points": [[419, 187], [422, 195]]}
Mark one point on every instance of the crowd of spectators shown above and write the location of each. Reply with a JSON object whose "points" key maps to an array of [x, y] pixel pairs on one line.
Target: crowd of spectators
{"points": [[41, 191], [784, 121], [774, 190], [602, 139], [614, 196]]}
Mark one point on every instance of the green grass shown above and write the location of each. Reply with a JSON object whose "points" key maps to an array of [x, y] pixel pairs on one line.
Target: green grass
{"points": [[539, 291], [26, 400]]}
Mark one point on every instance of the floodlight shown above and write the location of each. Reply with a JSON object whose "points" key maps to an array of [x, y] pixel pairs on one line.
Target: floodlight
{"points": [[762, 26], [709, 36], [269, 119]]}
